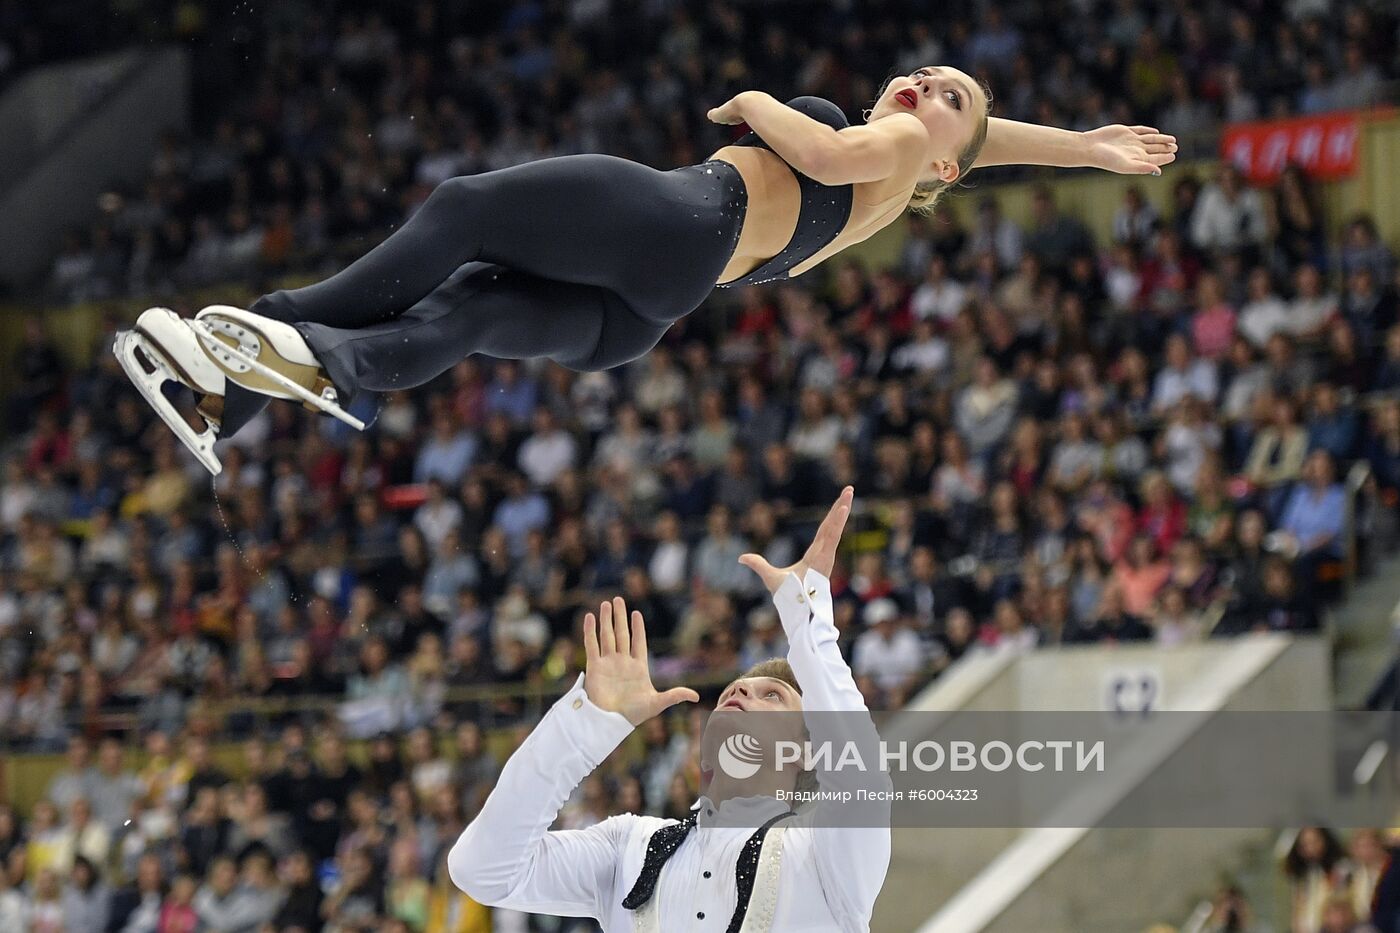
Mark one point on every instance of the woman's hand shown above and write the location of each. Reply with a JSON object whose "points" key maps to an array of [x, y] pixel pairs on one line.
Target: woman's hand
{"points": [[729, 113], [617, 678], [821, 556], [1129, 150]]}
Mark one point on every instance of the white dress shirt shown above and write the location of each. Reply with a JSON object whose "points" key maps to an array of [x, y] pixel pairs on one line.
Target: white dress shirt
{"points": [[942, 300], [1261, 319], [828, 877], [1220, 223], [1172, 385], [544, 456]]}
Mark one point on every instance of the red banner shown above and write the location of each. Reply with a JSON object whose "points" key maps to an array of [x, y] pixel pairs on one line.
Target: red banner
{"points": [[1323, 146]]}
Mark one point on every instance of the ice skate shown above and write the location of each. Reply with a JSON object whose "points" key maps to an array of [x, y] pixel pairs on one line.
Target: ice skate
{"points": [[267, 356], [162, 348]]}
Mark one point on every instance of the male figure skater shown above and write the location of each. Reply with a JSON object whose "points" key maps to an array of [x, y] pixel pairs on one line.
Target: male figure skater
{"points": [[743, 860]]}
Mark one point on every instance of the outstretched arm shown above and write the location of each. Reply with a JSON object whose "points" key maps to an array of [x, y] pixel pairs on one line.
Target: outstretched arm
{"points": [[883, 149], [802, 594], [1127, 150], [853, 850], [508, 857]]}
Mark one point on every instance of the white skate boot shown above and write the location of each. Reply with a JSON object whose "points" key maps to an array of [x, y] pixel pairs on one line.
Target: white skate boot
{"points": [[162, 348], [267, 356]]}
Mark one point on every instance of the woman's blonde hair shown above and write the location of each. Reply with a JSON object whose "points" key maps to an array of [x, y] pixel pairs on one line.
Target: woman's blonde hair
{"points": [[927, 193]]}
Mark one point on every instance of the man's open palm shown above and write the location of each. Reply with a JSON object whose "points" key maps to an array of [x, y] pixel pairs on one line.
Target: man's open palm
{"points": [[617, 677], [821, 556]]}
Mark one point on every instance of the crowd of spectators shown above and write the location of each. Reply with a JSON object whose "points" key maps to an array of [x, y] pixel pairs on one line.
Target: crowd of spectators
{"points": [[303, 839], [1060, 441], [1341, 883], [325, 128], [1054, 440], [1336, 883], [1064, 441]]}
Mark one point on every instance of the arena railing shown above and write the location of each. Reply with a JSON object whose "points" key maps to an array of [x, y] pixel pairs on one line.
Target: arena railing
{"points": [[1357, 480], [1199, 917], [26, 771], [493, 706], [525, 703]]}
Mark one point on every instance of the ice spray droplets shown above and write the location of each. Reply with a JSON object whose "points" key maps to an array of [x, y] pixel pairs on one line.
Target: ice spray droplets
{"points": [[228, 529]]}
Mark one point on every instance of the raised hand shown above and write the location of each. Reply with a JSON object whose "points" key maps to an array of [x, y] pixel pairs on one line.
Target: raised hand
{"points": [[1130, 150], [821, 556], [617, 677]]}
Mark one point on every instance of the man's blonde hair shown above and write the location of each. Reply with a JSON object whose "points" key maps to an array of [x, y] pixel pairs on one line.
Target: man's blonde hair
{"points": [[780, 669], [777, 669]]}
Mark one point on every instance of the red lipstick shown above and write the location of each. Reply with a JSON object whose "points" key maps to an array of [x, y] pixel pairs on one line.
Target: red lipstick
{"points": [[908, 97]]}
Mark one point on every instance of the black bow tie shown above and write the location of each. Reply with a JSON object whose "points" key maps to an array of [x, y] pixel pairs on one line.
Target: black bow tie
{"points": [[664, 843]]}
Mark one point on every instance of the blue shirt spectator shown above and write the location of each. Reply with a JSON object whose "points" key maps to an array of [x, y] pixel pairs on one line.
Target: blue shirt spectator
{"points": [[446, 455], [511, 393], [1316, 508], [521, 512], [1183, 376], [451, 571]]}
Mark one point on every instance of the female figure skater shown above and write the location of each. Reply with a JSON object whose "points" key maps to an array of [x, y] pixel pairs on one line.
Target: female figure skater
{"points": [[588, 259], [743, 860]]}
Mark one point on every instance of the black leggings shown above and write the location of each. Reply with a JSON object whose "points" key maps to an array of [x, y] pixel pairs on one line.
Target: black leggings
{"points": [[586, 260]]}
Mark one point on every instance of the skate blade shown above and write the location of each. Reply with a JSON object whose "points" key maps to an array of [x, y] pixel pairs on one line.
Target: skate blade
{"points": [[238, 349], [148, 383]]}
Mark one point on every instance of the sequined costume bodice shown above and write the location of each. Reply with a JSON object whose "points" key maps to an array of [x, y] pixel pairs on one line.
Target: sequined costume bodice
{"points": [[824, 210]]}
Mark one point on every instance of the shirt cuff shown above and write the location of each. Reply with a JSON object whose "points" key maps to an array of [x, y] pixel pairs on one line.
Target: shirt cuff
{"points": [[799, 597], [594, 731], [819, 594]]}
